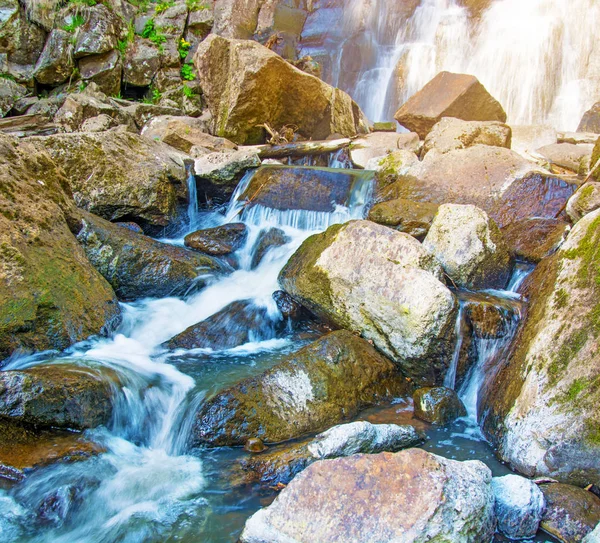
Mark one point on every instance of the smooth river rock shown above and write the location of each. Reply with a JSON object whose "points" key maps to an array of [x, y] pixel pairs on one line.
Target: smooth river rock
{"points": [[437, 405], [410, 496], [218, 241], [320, 385], [383, 285]]}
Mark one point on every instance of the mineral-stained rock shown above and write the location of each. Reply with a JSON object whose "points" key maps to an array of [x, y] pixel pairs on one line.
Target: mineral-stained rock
{"points": [[571, 513], [438, 405], [246, 84], [470, 247], [449, 95], [541, 407], [58, 396], [119, 175], [409, 496], [320, 385], [138, 266], [50, 295], [519, 506], [382, 284], [451, 133]]}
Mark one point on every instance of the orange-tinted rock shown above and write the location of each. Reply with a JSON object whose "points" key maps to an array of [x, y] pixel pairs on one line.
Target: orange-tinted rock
{"points": [[449, 95]]}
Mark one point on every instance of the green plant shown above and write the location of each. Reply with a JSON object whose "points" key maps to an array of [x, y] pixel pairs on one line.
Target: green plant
{"points": [[187, 72], [141, 4], [183, 47], [123, 44], [162, 7], [82, 86], [77, 20], [196, 5], [7, 76], [89, 3], [152, 33], [187, 92]]}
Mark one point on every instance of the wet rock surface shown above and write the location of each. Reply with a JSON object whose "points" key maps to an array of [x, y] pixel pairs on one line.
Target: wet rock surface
{"points": [[218, 241], [320, 385], [532, 240], [571, 512], [138, 266], [437, 405], [267, 240], [382, 284], [412, 496]]}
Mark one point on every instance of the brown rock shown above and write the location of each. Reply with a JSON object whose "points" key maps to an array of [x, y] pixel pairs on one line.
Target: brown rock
{"points": [[438, 405], [414, 218], [218, 241], [141, 63], [535, 239], [590, 122], [55, 64], [571, 512], [449, 95], [254, 445], [104, 70]]}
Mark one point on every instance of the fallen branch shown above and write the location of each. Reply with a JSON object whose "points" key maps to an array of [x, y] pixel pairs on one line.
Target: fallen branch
{"points": [[301, 148]]}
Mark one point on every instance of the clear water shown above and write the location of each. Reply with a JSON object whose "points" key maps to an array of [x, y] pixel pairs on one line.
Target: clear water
{"points": [[149, 486]]}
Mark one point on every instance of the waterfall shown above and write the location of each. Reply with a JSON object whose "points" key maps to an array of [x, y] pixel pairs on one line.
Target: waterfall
{"points": [[535, 56]]}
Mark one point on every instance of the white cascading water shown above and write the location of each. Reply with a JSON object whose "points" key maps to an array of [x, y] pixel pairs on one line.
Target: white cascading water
{"points": [[535, 56], [145, 488]]}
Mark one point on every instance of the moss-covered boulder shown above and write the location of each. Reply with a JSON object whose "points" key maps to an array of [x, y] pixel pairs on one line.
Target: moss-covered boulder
{"points": [[321, 385], [246, 84], [119, 175], [541, 409], [50, 295], [584, 201], [58, 396], [470, 247], [383, 285], [138, 266]]}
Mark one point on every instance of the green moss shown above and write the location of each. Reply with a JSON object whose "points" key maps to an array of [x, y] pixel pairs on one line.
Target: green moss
{"points": [[576, 388], [560, 299], [567, 351], [592, 433]]}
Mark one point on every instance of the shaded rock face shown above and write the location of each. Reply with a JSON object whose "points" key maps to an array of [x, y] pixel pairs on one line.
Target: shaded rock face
{"points": [[99, 32], [57, 396], [412, 496], [288, 307], [218, 241], [584, 201], [413, 218], [312, 189], [105, 70], [55, 64], [571, 513], [519, 506], [10, 94], [141, 62], [121, 176], [320, 385], [535, 239], [138, 266], [450, 134], [438, 405], [50, 295], [236, 324], [449, 95], [470, 247], [382, 284], [541, 407], [246, 84], [280, 464], [590, 122]]}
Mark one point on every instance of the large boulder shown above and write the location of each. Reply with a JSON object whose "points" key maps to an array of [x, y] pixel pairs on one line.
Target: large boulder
{"points": [[141, 62], [519, 506], [119, 175], [584, 201], [410, 496], [105, 70], [58, 396], [138, 266], [320, 385], [451, 133], [571, 513], [379, 144], [541, 407], [236, 18], [50, 295], [99, 32], [55, 64], [246, 84], [383, 285], [470, 247], [449, 95]]}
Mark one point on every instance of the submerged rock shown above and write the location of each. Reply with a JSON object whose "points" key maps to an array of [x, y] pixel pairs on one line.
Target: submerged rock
{"points": [[438, 405], [519, 506], [50, 295], [246, 84], [138, 266], [218, 241], [411, 496], [234, 325], [451, 133], [541, 407], [121, 176], [320, 385], [449, 95], [57, 396], [470, 247], [571, 513], [382, 284], [282, 463]]}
